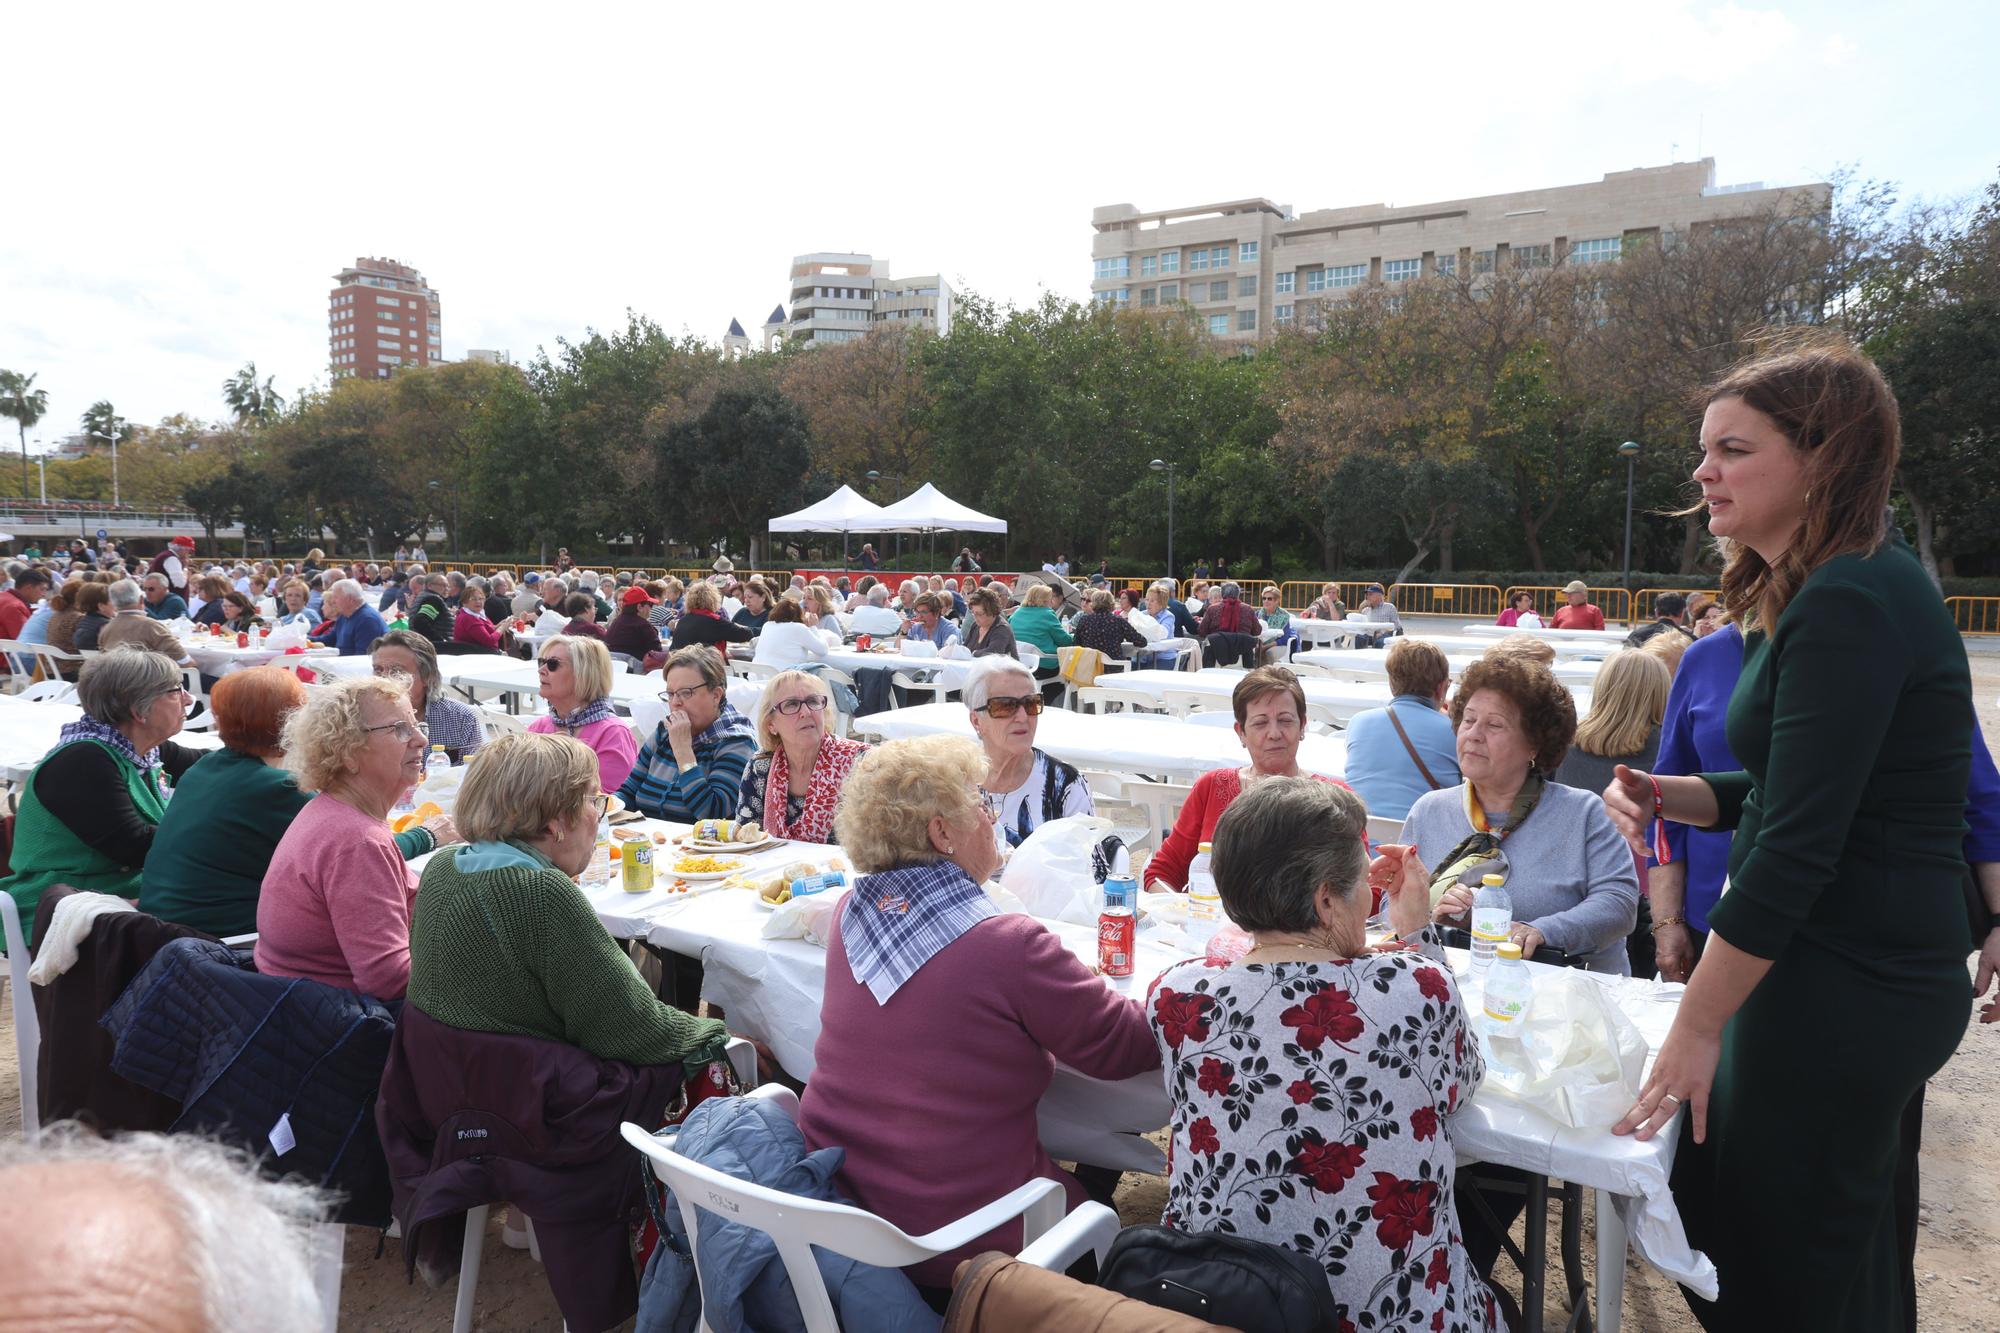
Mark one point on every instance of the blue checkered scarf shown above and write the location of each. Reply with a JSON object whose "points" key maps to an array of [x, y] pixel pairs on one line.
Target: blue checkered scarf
{"points": [[583, 715], [895, 921], [88, 728]]}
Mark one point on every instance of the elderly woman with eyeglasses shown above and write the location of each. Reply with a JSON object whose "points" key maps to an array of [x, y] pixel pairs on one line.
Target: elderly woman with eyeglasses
{"points": [[1270, 709], [1025, 788], [447, 722], [335, 906], [91, 807], [576, 683], [692, 768], [793, 784]]}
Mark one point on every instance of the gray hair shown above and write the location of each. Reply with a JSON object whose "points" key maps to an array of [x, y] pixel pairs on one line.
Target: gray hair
{"points": [[1163, 586], [878, 595], [1231, 592], [418, 583], [984, 671], [120, 681], [348, 588], [149, 579], [419, 647], [248, 1240], [1279, 842], [701, 658], [125, 595], [586, 582]]}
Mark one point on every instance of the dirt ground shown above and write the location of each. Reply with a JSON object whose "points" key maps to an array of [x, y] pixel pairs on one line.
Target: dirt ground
{"points": [[1957, 1270]]}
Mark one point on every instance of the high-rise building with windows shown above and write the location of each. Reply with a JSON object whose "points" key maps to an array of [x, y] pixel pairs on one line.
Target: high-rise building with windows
{"points": [[839, 297], [381, 315], [1249, 266]]}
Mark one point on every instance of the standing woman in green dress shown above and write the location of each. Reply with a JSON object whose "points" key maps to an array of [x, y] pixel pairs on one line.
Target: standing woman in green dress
{"points": [[1834, 983]]}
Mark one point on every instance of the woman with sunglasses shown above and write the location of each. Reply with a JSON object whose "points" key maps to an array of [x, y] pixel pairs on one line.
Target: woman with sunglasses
{"points": [[1025, 788], [1270, 712], [576, 684], [335, 906], [91, 807], [794, 782]]}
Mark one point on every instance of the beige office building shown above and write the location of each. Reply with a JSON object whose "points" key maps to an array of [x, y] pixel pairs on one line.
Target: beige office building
{"points": [[839, 297], [1251, 266]]}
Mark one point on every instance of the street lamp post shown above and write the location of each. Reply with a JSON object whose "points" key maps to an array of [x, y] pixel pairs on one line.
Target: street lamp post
{"points": [[42, 466], [113, 437], [1629, 451], [1161, 465]]}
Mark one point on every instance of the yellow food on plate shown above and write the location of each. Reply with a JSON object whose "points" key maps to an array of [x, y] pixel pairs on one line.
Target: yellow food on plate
{"points": [[777, 893], [417, 816], [705, 865]]}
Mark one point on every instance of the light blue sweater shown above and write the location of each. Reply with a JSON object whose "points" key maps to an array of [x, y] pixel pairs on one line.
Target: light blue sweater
{"points": [[1379, 768], [1569, 873]]}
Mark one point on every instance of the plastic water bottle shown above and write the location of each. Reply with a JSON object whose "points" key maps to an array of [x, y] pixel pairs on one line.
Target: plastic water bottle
{"points": [[406, 804], [1508, 991], [1492, 921], [1204, 902], [439, 762], [598, 872]]}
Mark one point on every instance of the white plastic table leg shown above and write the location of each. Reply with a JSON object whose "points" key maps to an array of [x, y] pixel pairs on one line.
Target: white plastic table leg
{"points": [[329, 1250], [468, 1268], [1611, 1244]]}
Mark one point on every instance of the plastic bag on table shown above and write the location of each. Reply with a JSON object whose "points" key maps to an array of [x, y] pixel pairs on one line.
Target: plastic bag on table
{"points": [[1058, 872], [1577, 1058], [548, 622], [287, 636], [809, 918]]}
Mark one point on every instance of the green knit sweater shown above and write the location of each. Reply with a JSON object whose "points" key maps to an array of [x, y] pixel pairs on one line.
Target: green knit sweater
{"points": [[519, 950]]}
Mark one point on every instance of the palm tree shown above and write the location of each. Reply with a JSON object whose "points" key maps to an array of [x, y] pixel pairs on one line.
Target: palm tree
{"points": [[22, 401], [248, 399], [103, 421]]}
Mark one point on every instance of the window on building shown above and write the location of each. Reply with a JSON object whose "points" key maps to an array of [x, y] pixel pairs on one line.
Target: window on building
{"points": [[387, 300], [1347, 275], [1316, 280], [1148, 265], [1447, 265], [1246, 286], [1283, 284], [1118, 267], [1482, 261], [1170, 261], [1395, 305], [1401, 270], [1219, 291], [388, 346], [389, 329], [1219, 324], [1246, 252], [1198, 260], [1148, 295], [1246, 321], [1169, 292], [1599, 250], [1281, 314], [1532, 256]]}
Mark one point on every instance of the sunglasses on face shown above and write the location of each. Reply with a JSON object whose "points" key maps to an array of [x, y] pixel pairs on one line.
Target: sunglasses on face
{"points": [[812, 703], [551, 664], [1002, 709]]}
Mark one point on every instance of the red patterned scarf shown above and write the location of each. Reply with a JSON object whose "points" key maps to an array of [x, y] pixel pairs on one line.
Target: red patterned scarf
{"points": [[836, 759]]}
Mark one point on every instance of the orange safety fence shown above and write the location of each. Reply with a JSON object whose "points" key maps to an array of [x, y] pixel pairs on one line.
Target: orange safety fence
{"points": [[1478, 600], [1974, 615], [1615, 603], [1299, 594]]}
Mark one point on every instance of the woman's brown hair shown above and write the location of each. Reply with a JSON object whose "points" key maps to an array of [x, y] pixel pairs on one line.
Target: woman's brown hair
{"points": [[1548, 710], [1840, 414]]}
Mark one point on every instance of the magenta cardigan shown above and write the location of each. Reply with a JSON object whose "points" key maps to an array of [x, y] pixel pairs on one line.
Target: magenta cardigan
{"points": [[335, 906], [611, 738], [933, 1094]]}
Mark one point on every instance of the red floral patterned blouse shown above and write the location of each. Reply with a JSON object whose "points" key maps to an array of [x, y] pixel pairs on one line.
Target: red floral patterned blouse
{"points": [[1310, 1101]]}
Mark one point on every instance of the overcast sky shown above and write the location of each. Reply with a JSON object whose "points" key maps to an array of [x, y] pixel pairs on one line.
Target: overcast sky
{"points": [[185, 180]]}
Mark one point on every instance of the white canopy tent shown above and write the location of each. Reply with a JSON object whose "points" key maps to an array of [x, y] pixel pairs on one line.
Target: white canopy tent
{"points": [[843, 512], [928, 509]]}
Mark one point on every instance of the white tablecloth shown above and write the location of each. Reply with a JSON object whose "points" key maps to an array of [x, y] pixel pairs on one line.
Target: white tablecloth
{"points": [[220, 656], [1369, 664], [1343, 698], [950, 670], [1609, 637], [1116, 742], [29, 730], [1325, 631], [772, 991]]}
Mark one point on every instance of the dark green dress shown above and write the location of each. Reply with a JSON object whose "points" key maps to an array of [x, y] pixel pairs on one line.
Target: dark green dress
{"points": [[1853, 722]]}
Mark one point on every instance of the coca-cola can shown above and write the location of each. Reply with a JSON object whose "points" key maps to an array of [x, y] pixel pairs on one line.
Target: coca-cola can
{"points": [[1117, 935]]}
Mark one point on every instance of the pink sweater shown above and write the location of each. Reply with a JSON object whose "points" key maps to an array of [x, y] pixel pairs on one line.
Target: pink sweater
{"points": [[933, 1095], [336, 902], [611, 738]]}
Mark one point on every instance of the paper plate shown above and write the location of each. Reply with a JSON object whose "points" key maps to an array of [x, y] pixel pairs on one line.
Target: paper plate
{"points": [[726, 848], [698, 877]]}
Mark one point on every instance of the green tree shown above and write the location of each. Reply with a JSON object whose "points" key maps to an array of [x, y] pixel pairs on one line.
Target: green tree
{"points": [[24, 404], [723, 474], [253, 403]]}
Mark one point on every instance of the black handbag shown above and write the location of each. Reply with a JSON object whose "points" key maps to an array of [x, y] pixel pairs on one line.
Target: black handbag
{"points": [[1222, 1279]]}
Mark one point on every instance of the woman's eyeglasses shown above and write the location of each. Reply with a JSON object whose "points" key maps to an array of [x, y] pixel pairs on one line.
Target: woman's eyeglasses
{"points": [[815, 703], [550, 664], [679, 697], [405, 731], [1003, 709]]}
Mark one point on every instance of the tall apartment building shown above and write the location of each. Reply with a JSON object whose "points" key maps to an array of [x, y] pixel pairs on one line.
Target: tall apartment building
{"points": [[1250, 266], [381, 315], [839, 297]]}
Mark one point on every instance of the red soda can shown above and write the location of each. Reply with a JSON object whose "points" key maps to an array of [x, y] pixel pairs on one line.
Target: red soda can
{"points": [[242, 638], [1117, 933]]}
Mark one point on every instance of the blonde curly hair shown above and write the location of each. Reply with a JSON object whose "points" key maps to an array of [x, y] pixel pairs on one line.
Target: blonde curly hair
{"points": [[886, 807], [323, 735]]}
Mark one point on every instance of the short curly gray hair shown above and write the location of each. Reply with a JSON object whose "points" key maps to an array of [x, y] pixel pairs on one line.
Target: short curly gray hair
{"points": [[324, 734], [886, 807]]}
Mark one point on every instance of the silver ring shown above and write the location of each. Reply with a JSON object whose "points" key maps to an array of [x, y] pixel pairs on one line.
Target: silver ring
{"points": [[1669, 1097]]}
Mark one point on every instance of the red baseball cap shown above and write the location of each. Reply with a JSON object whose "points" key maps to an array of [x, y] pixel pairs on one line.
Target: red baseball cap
{"points": [[183, 541], [635, 594]]}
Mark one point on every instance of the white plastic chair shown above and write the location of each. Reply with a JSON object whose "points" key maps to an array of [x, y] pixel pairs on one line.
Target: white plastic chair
{"points": [[798, 1225], [1104, 698], [935, 687], [1224, 721], [204, 719], [1183, 702], [496, 722], [1325, 717], [49, 691], [1162, 802], [53, 661], [27, 1026]]}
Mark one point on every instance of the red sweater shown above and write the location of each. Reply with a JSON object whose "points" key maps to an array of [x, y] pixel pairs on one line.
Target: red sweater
{"points": [[1196, 825], [1578, 617], [474, 628], [933, 1094]]}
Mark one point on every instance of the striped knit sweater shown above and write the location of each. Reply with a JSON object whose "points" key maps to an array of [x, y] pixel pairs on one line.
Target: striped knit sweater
{"points": [[518, 950], [706, 791]]}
